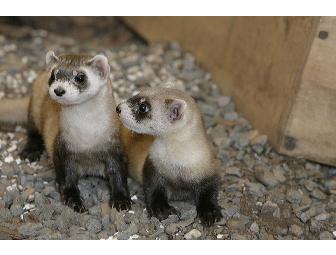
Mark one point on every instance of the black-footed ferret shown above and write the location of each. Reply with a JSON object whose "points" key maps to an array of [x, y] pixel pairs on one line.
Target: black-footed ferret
{"points": [[72, 113], [177, 162]]}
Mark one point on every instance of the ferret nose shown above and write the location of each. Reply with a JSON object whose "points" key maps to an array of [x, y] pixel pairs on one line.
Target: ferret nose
{"points": [[59, 91], [118, 109]]}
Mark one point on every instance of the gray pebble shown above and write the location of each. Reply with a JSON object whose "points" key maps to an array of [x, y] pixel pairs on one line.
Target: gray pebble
{"points": [[317, 193], [255, 189], [296, 230], [30, 229], [95, 210], [193, 234], [5, 214], [254, 227], [330, 184], [265, 176], [294, 196], [326, 235], [16, 210], [93, 225], [322, 217], [171, 229], [271, 208]]}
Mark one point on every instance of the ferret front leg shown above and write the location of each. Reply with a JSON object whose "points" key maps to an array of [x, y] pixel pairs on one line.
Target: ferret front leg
{"points": [[155, 193], [117, 177], [34, 146], [67, 178], [206, 202], [70, 192]]}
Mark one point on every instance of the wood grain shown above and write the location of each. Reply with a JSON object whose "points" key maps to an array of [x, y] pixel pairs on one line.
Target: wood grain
{"points": [[257, 60], [312, 120]]}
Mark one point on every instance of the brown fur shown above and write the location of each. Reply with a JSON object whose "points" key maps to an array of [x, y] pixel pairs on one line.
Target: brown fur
{"points": [[136, 148]]}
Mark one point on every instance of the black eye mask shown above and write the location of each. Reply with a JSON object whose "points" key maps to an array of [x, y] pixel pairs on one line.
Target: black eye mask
{"points": [[80, 79], [140, 107]]}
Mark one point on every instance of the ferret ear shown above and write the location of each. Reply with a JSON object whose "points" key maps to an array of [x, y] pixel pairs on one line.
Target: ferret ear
{"points": [[176, 108], [51, 59], [100, 63]]}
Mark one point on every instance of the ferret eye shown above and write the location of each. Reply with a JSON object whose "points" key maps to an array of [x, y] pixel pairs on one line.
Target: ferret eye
{"points": [[143, 107], [80, 78]]}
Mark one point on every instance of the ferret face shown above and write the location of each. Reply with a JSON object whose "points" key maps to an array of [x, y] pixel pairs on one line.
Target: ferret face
{"points": [[75, 79], [152, 114]]}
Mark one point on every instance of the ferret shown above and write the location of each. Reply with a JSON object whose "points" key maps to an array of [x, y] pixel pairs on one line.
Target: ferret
{"points": [[170, 153], [71, 113]]}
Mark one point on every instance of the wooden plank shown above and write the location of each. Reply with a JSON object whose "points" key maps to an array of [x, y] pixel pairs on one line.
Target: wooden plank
{"points": [[257, 60], [311, 128]]}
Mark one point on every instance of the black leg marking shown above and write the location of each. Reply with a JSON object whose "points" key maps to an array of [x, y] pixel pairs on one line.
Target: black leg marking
{"points": [[206, 201], [116, 174], [155, 193], [34, 147], [67, 177]]}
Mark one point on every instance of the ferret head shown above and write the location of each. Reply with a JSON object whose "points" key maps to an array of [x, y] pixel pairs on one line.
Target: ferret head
{"points": [[73, 79], [158, 111]]}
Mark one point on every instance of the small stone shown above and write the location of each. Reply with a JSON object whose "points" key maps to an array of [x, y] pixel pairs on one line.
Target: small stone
{"points": [[238, 224], [254, 227], [310, 185], [118, 220], [322, 217], [326, 235], [330, 184], [5, 214], [294, 196], [8, 169], [16, 210], [255, 189], [30, 229], [281, 230], [171, 219], [93, 225], [315, 226], [316, 193], [171, 229], [105, 221], [231, 116], [48, 175], [233, 171], [77, 233], [193, 234], [223, 101], [271, 208], [95, 210], [231, 212], [265, 176], [296, 230]]}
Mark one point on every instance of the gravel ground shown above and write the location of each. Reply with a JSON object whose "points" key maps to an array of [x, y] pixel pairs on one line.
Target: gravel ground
{"points": [[263, 195]]}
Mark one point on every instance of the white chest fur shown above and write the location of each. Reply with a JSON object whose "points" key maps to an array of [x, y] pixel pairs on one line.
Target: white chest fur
{"points": [[186, 160], [89, 124]]}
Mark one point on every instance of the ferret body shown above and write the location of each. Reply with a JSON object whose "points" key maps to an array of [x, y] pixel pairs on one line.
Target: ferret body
{"points": [[71, 114], [170, 154]]}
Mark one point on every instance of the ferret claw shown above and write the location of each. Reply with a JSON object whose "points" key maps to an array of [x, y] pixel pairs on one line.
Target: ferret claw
{"points": [[122, 204], [209, 216]]}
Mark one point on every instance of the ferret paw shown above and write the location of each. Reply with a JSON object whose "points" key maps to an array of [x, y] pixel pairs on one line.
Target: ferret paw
{"points": [[209, 216], [31, 155], [162, 210], [122, 203], [72, 199]]}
